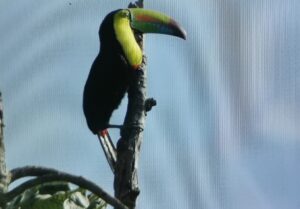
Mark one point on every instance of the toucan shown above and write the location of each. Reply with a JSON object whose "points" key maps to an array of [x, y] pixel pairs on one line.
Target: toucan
{"points": [[119, 58]]}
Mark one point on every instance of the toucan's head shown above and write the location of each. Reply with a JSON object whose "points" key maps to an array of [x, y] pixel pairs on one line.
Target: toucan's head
{"points": [[125, 22]]}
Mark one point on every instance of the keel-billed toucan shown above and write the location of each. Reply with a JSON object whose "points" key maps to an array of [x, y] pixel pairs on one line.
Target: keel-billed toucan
{"points": [[119, 57]]}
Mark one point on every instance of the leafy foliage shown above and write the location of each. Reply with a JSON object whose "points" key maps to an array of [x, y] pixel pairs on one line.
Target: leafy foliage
{"points": [[56, 195]]}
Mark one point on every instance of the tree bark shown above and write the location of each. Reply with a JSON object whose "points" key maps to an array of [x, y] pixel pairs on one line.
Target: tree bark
{"points": [[3, 171], [128, 147]]}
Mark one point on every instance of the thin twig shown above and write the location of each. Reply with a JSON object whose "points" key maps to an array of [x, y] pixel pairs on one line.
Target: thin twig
{"points": [[49, 175]]}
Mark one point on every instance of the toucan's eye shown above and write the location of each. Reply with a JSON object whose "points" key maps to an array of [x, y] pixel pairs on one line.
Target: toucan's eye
{"points": [[125, 14]]}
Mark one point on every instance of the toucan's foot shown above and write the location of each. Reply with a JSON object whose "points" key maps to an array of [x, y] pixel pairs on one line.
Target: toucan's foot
{"points": [[149, 103], [115, 126]]}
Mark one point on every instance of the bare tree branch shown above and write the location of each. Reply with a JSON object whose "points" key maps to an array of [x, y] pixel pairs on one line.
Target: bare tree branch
{"points": [[49, 175], [128, 147], [3, 171], [28, 171]]}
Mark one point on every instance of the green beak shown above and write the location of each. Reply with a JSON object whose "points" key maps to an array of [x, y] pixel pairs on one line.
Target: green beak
{"points": [[148, 21]]}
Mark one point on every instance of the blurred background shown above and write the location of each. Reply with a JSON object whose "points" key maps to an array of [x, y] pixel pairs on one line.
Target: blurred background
{"points": [[225, 133]]}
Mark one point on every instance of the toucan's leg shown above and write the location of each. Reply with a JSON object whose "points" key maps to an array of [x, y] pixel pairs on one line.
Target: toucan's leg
{"points": [[108, 148]]}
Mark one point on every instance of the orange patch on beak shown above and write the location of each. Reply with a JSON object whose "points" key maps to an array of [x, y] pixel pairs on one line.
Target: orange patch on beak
{"points": [[145, 18]]}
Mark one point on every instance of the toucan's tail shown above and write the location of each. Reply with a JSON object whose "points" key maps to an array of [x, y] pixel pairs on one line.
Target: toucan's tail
{"points": [[108, 148]]}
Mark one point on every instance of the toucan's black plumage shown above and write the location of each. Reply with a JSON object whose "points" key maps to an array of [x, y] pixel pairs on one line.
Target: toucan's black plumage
{"points": [[119, 57], [108, 79], [113, 69]]}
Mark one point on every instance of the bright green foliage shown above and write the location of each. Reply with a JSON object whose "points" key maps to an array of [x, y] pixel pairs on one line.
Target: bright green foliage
{"points": [[56, 196]]}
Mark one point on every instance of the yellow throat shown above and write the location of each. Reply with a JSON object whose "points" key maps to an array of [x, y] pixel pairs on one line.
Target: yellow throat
{"points": [[125, 36]]}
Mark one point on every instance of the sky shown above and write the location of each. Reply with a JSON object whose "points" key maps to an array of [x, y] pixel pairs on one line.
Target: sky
{"points": [[225, 133]]}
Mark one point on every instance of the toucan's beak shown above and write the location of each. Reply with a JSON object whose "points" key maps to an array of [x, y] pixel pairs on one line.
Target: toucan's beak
{"points": [[148, 21]]}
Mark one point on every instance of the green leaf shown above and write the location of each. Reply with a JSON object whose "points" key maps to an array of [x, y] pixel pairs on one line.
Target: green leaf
{"points": [[57, 195], [54, 187], [96, 202]]}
